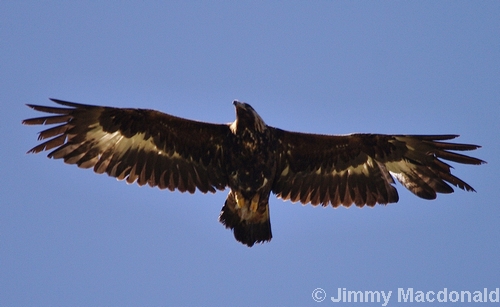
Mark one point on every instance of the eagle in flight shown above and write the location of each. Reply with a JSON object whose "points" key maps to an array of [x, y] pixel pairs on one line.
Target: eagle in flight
{"points": [[251, 158]]}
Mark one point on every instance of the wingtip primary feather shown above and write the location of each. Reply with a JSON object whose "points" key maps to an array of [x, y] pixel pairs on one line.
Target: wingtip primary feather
{"points": [[67, 103]]}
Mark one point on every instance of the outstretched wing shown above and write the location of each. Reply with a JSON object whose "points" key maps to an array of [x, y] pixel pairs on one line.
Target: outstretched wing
{"points": [[357, 168], [136, 144]]}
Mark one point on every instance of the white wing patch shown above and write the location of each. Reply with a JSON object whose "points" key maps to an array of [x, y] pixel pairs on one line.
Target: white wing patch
{"points": [[110, 147]]}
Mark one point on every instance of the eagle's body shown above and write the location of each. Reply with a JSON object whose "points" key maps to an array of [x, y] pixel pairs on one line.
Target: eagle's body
{"points": [[251, 158], [251, 168]]}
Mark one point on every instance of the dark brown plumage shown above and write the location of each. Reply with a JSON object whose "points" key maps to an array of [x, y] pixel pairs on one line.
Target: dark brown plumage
{"points": [[251, 158]]}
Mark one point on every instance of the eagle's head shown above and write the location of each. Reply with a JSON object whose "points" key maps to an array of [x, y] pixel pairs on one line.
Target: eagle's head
{"points": [[246, 118]]}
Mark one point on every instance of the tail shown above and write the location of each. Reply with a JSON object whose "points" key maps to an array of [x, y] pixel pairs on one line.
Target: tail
{"points": [[249, 227]]}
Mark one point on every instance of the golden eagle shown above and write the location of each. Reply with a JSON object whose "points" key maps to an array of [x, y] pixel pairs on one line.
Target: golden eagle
{"points": [[251, 158]]}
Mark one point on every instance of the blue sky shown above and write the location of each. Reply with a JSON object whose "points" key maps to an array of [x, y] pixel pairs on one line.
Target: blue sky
{"points": [[69, 237]]}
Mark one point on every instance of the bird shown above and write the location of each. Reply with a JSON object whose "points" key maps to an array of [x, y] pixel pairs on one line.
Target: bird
{"points": [[250, 158]]}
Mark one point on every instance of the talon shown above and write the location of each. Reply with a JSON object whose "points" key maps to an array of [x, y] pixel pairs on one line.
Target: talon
{"points": [[255, 203], [240, 200]]}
